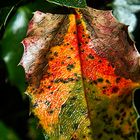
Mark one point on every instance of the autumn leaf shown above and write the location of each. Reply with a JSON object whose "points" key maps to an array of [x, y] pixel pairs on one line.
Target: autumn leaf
{"points": [[82, 69]]}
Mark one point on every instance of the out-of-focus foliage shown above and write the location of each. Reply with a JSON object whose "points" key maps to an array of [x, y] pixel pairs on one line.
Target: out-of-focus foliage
{"points": [[4, 12], [125, 10], [7, 133], [11, 48], [34, 132]]}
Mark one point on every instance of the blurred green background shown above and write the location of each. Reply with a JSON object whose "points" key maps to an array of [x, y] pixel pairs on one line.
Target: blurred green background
{"points": [[16, 122]]}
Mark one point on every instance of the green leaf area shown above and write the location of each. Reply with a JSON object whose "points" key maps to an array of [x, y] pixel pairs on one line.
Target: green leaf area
{"points": [[70, 3], [7, 133]]}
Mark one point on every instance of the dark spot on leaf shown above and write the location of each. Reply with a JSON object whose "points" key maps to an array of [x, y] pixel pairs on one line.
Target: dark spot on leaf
{"points": [[84, 111], [69, 112], [83, 35], [78, 89], [89, 133], [95, 82], [107, 81], [74, 32], [104, 87], [68, 57], [122, 110], [118, 80], [134, 129], [107, 119], [90, 56], [75, 74], [61, 132], [70, 67], [100, 61], [70, 79], [51, 92], [118, 131], [64, 81], [58, 80], [84, 78], [113, 66], [50, 52], [33, 89], [91, 82], [115, 89], [117, 116], [100, 80], [51, 58], [74, 138], [78, 22], [73, 98], [47, 103], [124, 114], [62, 62], [50, 112], [79, 44], [88, 126], [109, 65], [99, 135], [103, 110], [78, 78], [49, 87], [84, 136], [35, 105], [56, 54], [45, 55], [41, 90], [130, 105], [64, 105], [75, 126], [106, 130]]}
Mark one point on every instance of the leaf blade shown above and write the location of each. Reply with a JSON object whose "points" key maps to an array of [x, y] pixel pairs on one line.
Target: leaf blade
{"points": [[75, 64]]}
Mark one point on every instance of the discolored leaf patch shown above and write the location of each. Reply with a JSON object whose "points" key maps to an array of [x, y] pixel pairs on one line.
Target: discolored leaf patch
{"points": [[82, 68]]}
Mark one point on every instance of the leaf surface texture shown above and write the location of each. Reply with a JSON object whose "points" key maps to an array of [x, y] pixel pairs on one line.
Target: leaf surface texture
{"points": [[82, 69]]}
